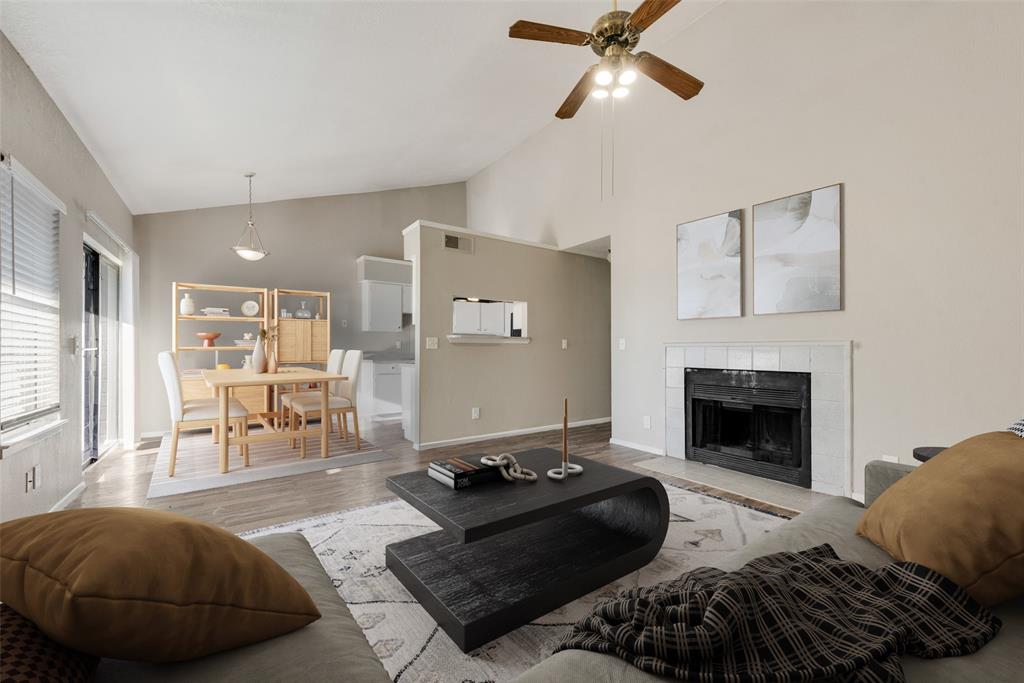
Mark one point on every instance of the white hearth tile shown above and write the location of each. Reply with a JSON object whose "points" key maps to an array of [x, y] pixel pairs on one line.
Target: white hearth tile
{"points": [[674, 377], [675, 357], [827, 386], [827, 359], [822, 487], [826, 442], [675, 443], [827, 415], [695, 357], [766, 358], [739, 358], [675, 418], [828, 470], [676, 398], [714, 357], [795, 359]]}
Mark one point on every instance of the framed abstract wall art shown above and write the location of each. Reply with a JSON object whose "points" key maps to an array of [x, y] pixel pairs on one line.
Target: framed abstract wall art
{"points": [[797, 252], [709, 267]]}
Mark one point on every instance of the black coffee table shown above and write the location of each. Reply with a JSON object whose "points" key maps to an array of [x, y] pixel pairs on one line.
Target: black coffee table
{"points": [[509, 553]]}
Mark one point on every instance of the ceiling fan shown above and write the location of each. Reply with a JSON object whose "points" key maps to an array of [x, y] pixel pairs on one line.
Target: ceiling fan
{"points": [[613, 38]]}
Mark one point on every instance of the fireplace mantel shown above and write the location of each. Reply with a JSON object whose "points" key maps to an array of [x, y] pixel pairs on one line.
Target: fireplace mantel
{"points": [[829, 364]]}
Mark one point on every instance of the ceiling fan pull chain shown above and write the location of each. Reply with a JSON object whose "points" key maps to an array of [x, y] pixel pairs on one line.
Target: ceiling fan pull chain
{"points": [[613, 149], [601, 133]]}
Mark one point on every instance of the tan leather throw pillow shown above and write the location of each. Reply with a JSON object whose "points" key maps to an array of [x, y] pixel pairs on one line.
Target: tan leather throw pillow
{"points": [[145, 585], [960, 514]]}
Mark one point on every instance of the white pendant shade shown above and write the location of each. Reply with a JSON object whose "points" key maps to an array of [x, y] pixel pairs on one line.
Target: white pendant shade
{"points": [[249, 246]]}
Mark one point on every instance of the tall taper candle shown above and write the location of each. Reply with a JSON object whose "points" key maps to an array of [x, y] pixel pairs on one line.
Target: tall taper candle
{"points": [[565, 432]]}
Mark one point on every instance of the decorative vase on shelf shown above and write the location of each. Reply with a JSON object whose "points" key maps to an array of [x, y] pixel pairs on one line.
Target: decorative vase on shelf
{"points": [[187, 306], [303, 312], [271, 362], [259, 357]]}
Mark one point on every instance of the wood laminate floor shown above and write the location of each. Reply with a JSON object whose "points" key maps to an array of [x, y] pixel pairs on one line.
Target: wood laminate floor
{"points": [[122, 479]]}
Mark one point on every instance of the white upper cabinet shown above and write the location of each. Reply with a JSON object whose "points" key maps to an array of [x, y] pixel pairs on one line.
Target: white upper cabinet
{"points": [[382, 306], [465, 317], [492, 318], [387, 292]]}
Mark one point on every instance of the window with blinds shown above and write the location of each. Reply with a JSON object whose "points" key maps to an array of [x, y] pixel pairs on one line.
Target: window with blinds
{"points": [[29, 304]]}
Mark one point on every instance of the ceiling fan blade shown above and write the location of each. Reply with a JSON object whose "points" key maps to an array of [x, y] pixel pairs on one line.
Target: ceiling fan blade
{"points": [[531, 30], [676, 80], [578, 95], [649, 12]]}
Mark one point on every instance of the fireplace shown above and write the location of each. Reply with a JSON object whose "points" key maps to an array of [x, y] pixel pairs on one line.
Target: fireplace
{"points": [[758, 422]]}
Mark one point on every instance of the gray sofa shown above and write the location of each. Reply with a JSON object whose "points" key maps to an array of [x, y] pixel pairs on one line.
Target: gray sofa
{"points": [[334, 648]]}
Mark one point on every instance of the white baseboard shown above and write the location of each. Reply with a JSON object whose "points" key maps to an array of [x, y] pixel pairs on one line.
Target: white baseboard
{"points": [[62, 503], [514, 432], [637, 446]]}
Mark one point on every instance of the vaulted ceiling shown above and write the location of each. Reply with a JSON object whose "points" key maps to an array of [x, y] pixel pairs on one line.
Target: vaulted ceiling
{"points": [[176, 100]]}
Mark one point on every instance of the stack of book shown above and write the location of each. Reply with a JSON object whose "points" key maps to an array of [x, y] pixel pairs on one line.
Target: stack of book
{"points": [[216, 310], [457, 473]]}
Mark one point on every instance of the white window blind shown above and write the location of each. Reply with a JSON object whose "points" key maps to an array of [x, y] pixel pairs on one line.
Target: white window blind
{"points": [[29, 303]]}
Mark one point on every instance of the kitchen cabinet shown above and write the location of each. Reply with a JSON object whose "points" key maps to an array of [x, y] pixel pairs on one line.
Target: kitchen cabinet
{"points": [[382, 306], [475, 317], [407, 299], [465, 317], [387, 388]]}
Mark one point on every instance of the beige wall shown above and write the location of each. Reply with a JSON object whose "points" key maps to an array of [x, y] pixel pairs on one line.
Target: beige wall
{"points": [[515, 386], [918, 108], [36, 133], [313, 245]]}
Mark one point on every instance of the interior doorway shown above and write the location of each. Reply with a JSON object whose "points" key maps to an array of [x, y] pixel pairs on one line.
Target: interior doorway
{"points": [[101, 381]]}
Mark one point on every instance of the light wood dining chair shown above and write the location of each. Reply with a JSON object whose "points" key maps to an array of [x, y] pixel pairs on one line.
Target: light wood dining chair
{"points": [[200, 413], [341, 401]]}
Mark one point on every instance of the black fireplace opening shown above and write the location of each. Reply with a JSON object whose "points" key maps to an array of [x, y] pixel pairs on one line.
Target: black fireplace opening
{"points": [[756, 422]]}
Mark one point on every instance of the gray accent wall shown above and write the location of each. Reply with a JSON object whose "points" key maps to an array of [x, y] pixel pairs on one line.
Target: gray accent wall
{"points": [[915, 107], [35, 132], [313, 244], [516, 386]]}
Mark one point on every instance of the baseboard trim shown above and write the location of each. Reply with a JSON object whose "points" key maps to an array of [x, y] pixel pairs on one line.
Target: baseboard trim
{"points": [[513, 432], [637, 446], [62, 503]]}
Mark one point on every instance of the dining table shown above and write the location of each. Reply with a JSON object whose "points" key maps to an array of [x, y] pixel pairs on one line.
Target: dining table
{"points": [[223, 381]]}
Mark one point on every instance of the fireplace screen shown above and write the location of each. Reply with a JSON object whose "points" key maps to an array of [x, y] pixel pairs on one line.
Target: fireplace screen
{"points": [[751, 421]]}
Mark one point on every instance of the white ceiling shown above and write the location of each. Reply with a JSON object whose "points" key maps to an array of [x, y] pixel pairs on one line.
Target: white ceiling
{"points": [[176, 100]]}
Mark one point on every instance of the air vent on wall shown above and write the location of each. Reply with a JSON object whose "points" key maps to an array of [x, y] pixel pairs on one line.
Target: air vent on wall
{"points": [[458, 243]]}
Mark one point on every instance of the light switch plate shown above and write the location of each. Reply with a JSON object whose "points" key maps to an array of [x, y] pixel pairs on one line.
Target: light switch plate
{"points": [[622, 343], [565, 344], [647, 421], [476, 413], [431, 342]]}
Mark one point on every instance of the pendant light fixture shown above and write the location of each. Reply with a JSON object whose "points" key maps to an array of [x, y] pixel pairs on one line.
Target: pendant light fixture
{"points": [[249, 246]]}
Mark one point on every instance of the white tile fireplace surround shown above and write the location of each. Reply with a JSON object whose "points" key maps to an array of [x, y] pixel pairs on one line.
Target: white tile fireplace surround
{"points": [[829, 363]]}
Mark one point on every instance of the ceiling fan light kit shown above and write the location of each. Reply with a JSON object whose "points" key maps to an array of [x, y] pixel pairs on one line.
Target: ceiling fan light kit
{"points": [[613, 37]]}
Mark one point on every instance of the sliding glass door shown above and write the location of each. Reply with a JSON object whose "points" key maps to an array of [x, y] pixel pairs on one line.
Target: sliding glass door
{"points": [[101, 381]]}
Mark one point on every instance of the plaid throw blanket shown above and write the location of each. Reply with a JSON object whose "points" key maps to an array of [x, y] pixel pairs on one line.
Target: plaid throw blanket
{"points": [[788, 617]]}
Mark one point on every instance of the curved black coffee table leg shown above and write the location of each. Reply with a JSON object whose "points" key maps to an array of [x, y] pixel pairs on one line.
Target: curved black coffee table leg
{"points": [[479, 591]]}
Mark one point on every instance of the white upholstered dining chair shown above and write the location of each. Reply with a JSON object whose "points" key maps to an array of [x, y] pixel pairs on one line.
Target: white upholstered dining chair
{"points": [[198, 413], [341, 399]]}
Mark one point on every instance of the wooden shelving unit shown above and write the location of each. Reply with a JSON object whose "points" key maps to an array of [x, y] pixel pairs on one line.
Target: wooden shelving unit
{"points": [[303, 341], [255, 399]]}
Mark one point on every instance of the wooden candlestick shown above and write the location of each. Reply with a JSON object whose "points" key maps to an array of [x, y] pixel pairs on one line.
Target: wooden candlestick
{"points": [[563, 472]]}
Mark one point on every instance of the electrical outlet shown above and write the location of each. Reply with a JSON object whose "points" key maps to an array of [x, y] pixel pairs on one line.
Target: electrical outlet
{"points": [[431, 342], [476, 413], [890, 458], [622, 343], [565, 344], [344, 323], [398, 344], [647, 421]]}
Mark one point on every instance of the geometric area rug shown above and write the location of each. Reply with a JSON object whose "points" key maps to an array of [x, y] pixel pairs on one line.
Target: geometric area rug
{"points": [[350, 545]]}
